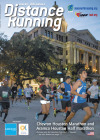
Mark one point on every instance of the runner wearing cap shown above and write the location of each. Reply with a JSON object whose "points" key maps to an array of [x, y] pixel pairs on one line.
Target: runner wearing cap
{"points": [[94, 92]]}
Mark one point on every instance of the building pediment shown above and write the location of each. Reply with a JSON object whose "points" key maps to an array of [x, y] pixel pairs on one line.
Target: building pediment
{"points": [[87, 36]]}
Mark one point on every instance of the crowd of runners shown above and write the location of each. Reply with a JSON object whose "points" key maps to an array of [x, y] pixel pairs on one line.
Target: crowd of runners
{"points": [[72, 95]]}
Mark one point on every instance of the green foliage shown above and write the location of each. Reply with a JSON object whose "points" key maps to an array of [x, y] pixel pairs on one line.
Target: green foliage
{"points": [[27, 59], [4, 44], [74, 68]]}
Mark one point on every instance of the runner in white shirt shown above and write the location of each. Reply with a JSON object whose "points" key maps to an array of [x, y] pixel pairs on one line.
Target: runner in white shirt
{"points": [[27, 92], [94, 92]]}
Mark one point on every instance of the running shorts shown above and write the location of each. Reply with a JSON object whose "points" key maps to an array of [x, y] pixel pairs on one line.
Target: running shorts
{"points": [[94, 101], [28, 98], [5, 105], [77, 106], [44, 102], [65, 104], [14, 96]]}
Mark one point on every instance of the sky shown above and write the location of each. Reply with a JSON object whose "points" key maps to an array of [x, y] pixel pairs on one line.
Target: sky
{"points": [[92, 23]]}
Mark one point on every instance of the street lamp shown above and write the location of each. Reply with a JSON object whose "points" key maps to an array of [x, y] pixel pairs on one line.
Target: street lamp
{"points": [[7, 72]]}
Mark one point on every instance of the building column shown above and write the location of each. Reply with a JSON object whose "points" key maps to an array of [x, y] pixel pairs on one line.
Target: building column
{"points": [[77, 55], [75, 60], [93, 62], [87, 59], [84, 58]]}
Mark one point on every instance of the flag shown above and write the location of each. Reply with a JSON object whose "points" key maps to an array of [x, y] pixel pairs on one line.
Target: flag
{"points": [[90, 133]]}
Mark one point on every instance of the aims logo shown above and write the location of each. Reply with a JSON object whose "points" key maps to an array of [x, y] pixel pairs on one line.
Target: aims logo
{"points": [[80, 14]]}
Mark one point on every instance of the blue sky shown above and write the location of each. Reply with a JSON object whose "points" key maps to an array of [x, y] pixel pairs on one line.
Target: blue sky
{"points": [[79, 23]]}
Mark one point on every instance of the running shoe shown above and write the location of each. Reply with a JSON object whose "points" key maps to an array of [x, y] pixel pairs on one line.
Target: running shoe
{"points": [[82, 130], [37, 116], [54, 113], [3, 121], [66, 128], [43, 122], [28, 107], [64, 114]]}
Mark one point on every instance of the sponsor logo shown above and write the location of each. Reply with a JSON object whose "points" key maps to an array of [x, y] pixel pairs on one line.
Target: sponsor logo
{"points": [[79, 14], [23, 129], [85, 8], [10, 129], [70, 8], [95, 15]]}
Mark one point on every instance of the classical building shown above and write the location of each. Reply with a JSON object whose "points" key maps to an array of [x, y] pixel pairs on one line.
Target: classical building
{"points": [[73, 46]]}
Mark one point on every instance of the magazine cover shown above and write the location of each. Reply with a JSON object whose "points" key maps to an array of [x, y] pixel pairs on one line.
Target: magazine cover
{"points": [[49, 69]]}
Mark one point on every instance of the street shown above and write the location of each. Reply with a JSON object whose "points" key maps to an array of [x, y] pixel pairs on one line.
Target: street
{"points": [[20, 114]]}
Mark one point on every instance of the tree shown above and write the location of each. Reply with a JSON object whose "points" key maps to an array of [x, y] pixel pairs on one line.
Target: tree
{"points": [[4, 44], [74, 68], [27, 59]]}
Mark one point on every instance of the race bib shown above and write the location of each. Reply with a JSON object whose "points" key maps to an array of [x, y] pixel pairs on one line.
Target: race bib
{"points": [[28, 93], [61, 97], [4, 94], [47, 96], [48, 91], [68, 93]]}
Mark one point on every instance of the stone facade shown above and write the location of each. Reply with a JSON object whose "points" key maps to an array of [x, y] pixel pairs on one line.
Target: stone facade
{"points": [[74, 46]]}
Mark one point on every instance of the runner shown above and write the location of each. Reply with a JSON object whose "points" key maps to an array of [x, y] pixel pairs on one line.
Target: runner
{"points": [[32, 93], [93, 91], [55, 93], [79, 101], [5, 93], [23, 97], [45, 100], [14, 93], [52, 94], [20, 93], [28, 92], [65, 89]]}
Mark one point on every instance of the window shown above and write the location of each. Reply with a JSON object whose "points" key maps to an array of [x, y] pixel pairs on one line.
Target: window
{"points": [[56, 37], [90, 58], [48, 35], [45, 32], [51, 34], [66, 52], [66, 61], [81, 56], [79, 40], [66, 38], [61, 61], [62, 38], [36, 33], [59, 37], [90, 68]]}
